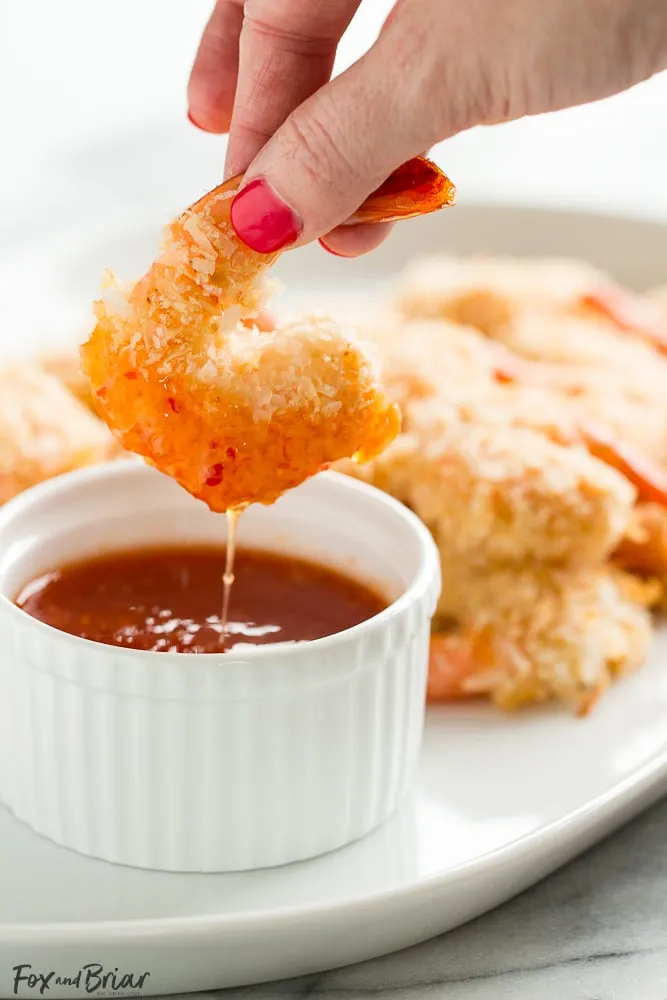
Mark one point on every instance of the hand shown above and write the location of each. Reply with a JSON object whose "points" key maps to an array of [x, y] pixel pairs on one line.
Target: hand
{"points": [[314, 148]]}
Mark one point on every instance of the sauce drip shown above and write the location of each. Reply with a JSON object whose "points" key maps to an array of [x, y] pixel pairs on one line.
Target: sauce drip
{"points": [[168, 599], [233, 515]]}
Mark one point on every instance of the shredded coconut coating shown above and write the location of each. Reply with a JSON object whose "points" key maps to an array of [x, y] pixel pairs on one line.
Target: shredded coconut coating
{"points": [[235, 414], [66, 367], [643, 550], [532, 636], [537, 310], [525, 518], [431, 286], [494, 470], [44, 430], [506, 494]]}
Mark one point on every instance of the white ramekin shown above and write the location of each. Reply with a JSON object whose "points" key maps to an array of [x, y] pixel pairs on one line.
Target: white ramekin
{"points": [[212, 763]]}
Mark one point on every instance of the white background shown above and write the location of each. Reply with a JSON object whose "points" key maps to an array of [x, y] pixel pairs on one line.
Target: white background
{"points": [[93, 124]]}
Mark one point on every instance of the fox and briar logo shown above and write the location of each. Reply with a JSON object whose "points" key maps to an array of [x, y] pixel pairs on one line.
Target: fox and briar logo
{"points": [[92, 979]]}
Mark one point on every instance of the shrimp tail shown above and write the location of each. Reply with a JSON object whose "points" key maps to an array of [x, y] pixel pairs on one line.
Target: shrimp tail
{"points": [[462, 662], [451, 664], [629, 315], [643, 550], [648, 477], [418, 187]]}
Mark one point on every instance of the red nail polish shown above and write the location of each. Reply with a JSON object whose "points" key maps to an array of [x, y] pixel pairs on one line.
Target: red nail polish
{"points": [[261, 220], [196, 124]]}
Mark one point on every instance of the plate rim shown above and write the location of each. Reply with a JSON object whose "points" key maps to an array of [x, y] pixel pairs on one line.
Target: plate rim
{"points": [[645, 779]]}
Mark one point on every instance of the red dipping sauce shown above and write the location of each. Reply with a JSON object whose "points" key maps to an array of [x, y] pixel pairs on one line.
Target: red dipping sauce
{"points": [[170, 599]]}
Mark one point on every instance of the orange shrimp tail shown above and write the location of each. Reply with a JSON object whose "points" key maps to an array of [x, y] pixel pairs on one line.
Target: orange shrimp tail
{"points": [[451, 664], [416, 188], [509, 368], [649, 478], [629, 315], [643, 550]]}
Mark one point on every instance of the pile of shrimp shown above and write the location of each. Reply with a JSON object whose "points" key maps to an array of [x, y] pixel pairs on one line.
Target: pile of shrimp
{"points": [[185, 375], [534, 446]]}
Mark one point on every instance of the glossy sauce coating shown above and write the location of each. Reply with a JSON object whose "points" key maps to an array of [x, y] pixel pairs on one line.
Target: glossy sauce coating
{"points": [[170, 600]]}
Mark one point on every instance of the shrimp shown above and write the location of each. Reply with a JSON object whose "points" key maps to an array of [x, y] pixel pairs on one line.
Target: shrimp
{"points": [[485, 293], [643, 550], [44, 430], [567, 315], [457, 363], [629, 313], [237, 415], [65, 366], [497, 493], [534, 636], [647, 476]]}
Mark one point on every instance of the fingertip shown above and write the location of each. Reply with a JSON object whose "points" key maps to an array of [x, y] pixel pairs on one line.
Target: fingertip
{"points": [[354, 241], [205, 128], [213, 78], [334, 253], [209, 102]]}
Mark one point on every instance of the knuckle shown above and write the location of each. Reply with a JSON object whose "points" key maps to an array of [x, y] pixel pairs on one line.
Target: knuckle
{"points": [[248, 130], [276, 27], [320, 149]]}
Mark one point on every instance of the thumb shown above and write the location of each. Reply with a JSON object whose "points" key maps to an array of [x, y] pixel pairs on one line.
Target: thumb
{"points": [[333, 151]]}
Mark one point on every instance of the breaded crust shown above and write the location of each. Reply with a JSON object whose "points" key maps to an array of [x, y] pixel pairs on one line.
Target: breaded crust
{"points": [[533, 636], [44, 430]]}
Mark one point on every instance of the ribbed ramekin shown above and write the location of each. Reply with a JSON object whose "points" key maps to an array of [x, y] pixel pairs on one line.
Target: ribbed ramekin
{"points": [[251, 759]]}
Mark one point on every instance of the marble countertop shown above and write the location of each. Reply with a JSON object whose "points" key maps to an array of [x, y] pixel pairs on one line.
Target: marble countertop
{"points": [[95, 134]]}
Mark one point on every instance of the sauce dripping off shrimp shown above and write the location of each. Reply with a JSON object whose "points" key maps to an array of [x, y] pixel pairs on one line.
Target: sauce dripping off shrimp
{"points": [[232, 516], [184, 371]]}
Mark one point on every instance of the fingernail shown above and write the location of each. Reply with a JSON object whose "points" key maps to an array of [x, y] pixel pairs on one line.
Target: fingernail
{"points": [[261, 220], [196, 124], [334, 253]]}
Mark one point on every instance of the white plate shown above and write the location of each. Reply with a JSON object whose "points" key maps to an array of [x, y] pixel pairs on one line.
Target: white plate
{"points": [[501, 801]]}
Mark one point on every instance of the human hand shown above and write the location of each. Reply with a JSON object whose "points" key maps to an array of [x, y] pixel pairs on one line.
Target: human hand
{"points": [[315, 148]]}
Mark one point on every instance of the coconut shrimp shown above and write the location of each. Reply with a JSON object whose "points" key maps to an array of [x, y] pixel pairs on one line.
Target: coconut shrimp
{"points": [[639, 317], [564, 313], [578, 426], [471, 379], [235, 414], [527, 506], [535, 637], [643, 550], [511, 472], [491, 383], [65, 366], [44, 430], [502, 494], [484, 291]]}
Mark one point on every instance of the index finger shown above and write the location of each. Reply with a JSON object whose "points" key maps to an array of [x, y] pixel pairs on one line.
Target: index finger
{"points": [[286, 53], [213, 79]]}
